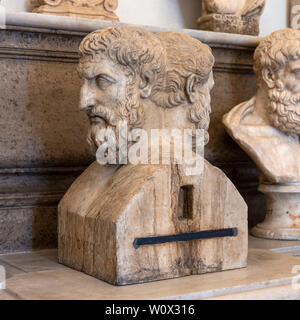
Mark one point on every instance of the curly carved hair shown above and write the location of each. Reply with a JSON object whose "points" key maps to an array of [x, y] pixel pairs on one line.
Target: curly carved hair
{"points": [[185, 57], [139, 51], [275, 50]]}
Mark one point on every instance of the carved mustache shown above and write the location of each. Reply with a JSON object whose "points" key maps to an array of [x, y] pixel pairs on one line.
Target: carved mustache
{"points": [[103, 113]]}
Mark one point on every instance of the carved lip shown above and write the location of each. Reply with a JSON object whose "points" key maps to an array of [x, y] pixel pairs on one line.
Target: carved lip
{"points": [[96, 119]]}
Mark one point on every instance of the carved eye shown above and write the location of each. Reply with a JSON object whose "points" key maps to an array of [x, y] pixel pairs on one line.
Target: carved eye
{"points": [[103, 81], [296, 72]]}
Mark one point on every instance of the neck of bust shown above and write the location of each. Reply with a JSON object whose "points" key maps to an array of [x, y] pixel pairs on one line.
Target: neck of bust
{"points": [[156, 117], [262, 103], [166, 118]]}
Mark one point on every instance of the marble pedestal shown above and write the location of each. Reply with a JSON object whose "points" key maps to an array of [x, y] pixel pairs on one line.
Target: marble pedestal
{"points": [[282, 221], [229, 23]]}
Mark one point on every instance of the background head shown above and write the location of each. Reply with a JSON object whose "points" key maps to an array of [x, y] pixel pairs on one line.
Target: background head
{"points": [[275, 59], [189, 77], [277, 66]]}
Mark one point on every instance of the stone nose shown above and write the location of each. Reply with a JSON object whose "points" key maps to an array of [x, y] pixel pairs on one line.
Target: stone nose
{"points": [[87, 98]]}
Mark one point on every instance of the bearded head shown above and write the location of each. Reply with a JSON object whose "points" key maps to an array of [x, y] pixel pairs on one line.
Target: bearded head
{"points": [[277, 66], [120, 66], [189, 78], [284, 111]]}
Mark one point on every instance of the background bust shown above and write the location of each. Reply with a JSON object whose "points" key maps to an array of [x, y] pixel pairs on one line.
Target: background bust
{"points": [[231, 16], [267, 127]]}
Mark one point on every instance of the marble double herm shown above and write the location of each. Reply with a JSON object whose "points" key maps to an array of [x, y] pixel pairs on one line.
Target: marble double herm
{"points": [[150, 81]]}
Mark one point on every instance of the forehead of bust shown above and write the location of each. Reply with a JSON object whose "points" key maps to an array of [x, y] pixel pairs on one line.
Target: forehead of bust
{"points": [[280, 45], [277, 50], [91, 66]]}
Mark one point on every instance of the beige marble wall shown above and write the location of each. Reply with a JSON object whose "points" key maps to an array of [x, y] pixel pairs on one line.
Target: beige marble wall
{"points": [[42, 132]]}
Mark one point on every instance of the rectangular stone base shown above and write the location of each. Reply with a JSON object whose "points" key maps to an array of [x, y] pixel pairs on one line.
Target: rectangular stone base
{"points": [[229, 24]]}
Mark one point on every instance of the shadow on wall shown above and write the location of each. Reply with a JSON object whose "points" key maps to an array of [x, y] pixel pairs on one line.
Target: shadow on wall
{"points": [[28, 5], [190, 17]]}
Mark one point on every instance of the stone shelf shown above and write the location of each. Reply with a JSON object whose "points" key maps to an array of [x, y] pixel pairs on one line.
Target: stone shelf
{"points": [[37, 275], [82, 26]]}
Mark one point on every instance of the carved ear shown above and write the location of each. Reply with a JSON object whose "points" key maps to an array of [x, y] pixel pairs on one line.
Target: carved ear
{"points": [[269, 77], [190, 88], [148, 79]]}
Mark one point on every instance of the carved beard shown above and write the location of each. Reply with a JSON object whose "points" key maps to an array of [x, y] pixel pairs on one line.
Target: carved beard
{"points": [[108, 121], [200, 115], [131, 111], [285, 111]]}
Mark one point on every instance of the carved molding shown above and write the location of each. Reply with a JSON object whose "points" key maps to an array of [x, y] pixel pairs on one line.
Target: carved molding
{"points": [[33, 23], [32, 199], [40, 55], [72, 57], [243, 175], [33, 187], [92, 9]]}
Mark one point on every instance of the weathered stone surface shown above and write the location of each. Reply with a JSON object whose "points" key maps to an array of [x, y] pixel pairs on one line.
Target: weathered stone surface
{"points": [[229, 24], [28, 227], [92, 9], [109, 206], [231, 16], [267, 127], [219, 209]]}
